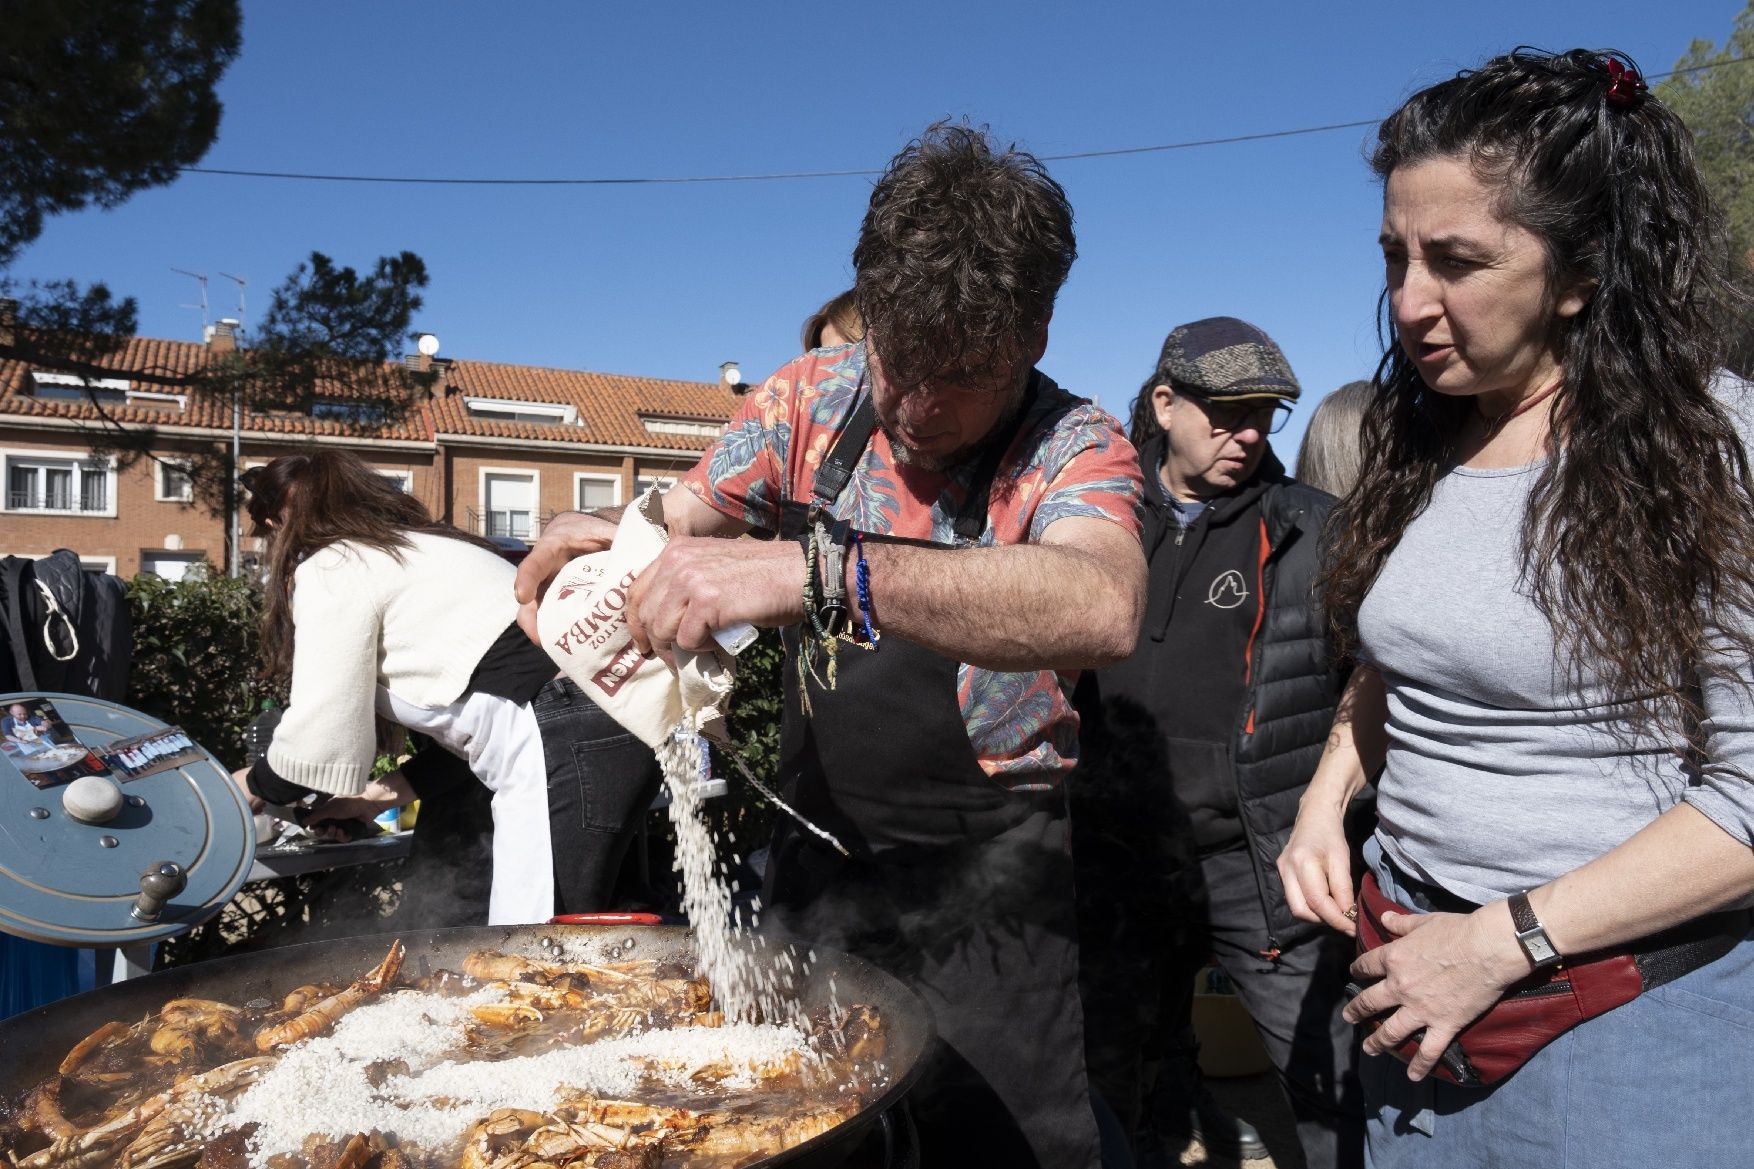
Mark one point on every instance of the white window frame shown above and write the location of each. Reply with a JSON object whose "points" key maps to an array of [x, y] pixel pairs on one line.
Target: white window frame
{"points": [[103, 385], [183, 555], [156, 396], [43, 379], [578, 482], [159, 467], [558, 411], [661, 482], [403, 479], [529, 473], [689, 427], [82, 460]]}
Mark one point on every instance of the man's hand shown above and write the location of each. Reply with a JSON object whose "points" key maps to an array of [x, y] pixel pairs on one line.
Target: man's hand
{"points": [[567, 536], [701, 584]]}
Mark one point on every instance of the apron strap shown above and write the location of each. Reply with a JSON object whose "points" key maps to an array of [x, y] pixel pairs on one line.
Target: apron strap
{"points": [[837, 468], [971, 518]]}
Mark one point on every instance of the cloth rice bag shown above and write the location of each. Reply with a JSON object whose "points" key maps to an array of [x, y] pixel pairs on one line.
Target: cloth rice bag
{"points": [[583, 625]]}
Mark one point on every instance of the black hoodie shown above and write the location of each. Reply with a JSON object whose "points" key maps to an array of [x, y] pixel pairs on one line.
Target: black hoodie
{"points": [[1190, 670], [1220, 714]]}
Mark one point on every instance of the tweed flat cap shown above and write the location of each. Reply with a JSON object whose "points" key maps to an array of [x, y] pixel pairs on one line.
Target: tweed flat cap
{"points": [[1224, 358]]}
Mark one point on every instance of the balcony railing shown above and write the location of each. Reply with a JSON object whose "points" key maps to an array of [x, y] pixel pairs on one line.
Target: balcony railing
{"points": [[61, 501], [519, 525]]}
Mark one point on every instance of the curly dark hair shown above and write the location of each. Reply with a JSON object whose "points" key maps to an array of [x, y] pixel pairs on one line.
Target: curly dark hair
{"points": [[1636, 543], [304, 503], [960, 256]]}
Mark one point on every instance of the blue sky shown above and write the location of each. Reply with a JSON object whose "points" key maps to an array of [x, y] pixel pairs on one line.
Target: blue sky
{"points": [[668, 281]]}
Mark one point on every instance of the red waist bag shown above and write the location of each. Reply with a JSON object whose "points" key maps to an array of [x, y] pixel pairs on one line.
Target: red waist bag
{"points": [[1544, 1006]]}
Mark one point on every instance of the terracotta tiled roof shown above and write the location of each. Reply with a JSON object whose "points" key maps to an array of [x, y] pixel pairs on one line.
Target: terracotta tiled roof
{"points": [[610, 407]]}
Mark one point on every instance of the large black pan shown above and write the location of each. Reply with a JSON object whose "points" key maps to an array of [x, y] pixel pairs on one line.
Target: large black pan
{"points": [[33, 1044]]}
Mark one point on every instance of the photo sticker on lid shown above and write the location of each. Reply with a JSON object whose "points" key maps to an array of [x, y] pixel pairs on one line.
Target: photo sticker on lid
{"points": [[39, 744], [150, 753]]}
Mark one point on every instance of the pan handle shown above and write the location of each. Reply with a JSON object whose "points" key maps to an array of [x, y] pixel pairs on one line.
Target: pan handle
{"points": [[608, 919], [901, 1140]]}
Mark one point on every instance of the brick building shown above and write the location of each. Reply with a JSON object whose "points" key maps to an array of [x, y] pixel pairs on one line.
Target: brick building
{"points": [[496, 449]]}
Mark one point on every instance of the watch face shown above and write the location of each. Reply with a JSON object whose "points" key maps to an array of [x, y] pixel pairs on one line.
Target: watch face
{"points": [[1538, 948]]}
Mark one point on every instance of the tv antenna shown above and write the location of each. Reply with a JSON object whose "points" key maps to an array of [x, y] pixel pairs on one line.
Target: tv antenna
{"points": [[201, 279], [240, 282]]}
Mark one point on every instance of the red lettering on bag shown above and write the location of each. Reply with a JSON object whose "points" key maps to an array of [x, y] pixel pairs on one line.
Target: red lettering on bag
{"points": [[620, 668]]}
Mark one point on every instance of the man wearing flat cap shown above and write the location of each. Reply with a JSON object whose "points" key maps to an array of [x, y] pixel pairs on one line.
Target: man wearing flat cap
{"points": [[1197, 749]]}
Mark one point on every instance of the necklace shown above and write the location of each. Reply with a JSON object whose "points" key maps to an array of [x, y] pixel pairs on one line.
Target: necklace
{"points": [[1493, 424]]}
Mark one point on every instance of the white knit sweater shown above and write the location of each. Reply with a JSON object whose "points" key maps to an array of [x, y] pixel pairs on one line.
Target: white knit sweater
{"points": [[362, 619]]}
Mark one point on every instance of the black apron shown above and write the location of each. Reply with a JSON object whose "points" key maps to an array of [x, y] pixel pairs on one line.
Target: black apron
{"points": [[957, 885]]}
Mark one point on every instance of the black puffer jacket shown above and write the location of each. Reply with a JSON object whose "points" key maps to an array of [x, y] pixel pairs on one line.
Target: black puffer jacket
{"points": [[1296, 686], [1136, 712]]}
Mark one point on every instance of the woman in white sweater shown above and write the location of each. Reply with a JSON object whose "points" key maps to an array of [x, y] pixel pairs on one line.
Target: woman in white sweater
{"points": [[374, 610]]}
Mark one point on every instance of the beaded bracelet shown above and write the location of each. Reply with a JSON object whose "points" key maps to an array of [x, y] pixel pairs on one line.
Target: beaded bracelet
{"points": [[862, 586]]}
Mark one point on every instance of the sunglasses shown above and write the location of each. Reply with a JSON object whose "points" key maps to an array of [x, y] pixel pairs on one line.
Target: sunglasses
{"points": [[1229, 417]]}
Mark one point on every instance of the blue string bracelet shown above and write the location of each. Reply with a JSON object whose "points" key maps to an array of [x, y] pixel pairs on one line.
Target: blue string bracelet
{"points": [[862, 586]]}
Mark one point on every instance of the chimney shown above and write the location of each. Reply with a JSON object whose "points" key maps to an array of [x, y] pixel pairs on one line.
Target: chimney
{"points": [[222, 337], [424, 359], [731, 378]]}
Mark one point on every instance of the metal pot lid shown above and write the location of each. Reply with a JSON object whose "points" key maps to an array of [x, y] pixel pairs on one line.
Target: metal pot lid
{"points": [[179, 842]]}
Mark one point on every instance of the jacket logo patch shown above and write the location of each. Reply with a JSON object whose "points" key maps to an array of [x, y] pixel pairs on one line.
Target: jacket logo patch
{"points": [[1228, 590]]}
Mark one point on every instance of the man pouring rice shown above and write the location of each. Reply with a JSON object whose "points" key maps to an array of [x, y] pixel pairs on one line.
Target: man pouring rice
{"points": [[956, 536]]}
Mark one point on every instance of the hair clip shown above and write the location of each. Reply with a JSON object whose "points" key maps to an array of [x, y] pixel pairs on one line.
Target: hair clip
{"points": [[1626, 89]]}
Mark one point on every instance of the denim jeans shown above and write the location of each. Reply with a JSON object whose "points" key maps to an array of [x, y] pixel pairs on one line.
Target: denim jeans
{"points": [[1665, 1080], [601, 780]]}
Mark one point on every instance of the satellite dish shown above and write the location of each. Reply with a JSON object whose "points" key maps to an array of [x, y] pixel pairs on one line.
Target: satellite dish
{"points": [[427, 343]]}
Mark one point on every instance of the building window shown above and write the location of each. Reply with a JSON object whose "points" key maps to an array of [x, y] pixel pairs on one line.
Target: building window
{"points": [[105, 391], [692, 427], [594, 492], [663, 483], [158, 400], [508, 410], [174, 566], [67, 387], [350, 410], [402, 479], [64, 485], [509, 500], [174, 484]]}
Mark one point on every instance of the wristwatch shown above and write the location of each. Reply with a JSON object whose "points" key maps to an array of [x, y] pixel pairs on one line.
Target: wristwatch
{"points": [[1530, 934]]}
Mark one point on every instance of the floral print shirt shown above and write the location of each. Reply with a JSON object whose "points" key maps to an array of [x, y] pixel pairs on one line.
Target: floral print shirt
{"points": [[1069, 459]]}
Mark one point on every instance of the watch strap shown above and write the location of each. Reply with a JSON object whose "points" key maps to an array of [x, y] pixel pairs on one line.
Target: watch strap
{"points": [[1522, 914]]}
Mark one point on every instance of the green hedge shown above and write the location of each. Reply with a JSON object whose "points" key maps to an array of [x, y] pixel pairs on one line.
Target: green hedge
{"points": [[197, 655]]}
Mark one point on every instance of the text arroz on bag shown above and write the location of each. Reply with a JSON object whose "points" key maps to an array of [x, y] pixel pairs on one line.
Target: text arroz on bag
{"points": [[583, 625]]}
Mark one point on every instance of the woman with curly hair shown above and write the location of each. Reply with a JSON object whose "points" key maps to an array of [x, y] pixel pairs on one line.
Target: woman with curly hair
{"points": [[1545, 574]]}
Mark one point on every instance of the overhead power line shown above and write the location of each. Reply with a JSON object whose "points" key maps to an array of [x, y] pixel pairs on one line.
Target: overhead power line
{"points": [[1194, 144]]}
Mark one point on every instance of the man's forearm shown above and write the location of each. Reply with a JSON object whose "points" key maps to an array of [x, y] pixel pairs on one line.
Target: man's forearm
{"points": [[1012, 607]]}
